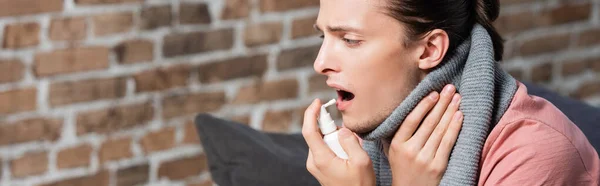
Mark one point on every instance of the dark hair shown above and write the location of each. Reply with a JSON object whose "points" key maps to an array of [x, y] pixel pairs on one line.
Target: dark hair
{"points": [[456, 17]]}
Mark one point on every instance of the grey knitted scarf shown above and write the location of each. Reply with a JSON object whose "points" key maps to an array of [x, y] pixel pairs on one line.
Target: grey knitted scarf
{"points": [[486, 92]]}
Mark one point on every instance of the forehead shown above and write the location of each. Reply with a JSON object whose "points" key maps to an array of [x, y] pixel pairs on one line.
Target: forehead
{"points": [[362, 14]]}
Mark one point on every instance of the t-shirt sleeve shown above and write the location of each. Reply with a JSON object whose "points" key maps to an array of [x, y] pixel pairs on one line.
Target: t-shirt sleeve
{"points": [[528, 152]]}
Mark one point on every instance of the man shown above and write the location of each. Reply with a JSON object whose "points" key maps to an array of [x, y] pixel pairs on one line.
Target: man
{"points": [[385, 57]]}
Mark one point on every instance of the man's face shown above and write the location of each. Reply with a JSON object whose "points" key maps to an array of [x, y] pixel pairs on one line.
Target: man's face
{"points": [[364, 56]]}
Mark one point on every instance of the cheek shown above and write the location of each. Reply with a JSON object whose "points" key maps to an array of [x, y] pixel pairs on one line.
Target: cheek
{"points": [[387, 72], [385, 79]]}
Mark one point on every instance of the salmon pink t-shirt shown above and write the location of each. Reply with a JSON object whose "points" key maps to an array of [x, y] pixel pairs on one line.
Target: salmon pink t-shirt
{"points": [[534, 143]]}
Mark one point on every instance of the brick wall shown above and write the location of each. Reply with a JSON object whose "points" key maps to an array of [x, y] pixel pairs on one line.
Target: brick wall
{"points": [[554, 43], [103, 92]]}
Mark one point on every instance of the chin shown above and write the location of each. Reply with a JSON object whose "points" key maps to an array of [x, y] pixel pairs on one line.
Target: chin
{"points": [[358, 126]]}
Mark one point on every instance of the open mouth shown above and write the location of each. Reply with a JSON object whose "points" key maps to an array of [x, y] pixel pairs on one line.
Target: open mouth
{"points": [[345, 95], [344, 99]]}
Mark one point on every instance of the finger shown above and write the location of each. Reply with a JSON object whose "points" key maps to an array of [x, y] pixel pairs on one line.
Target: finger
{"points": [[433, 118], [312, 168], [312, 134], [351, 146], [434, 140], [414, 118], [360, 141], [443, 152], [310, 165]]}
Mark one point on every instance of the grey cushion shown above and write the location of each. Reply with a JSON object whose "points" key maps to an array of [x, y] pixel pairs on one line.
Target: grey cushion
{"points": [[239, 155]]}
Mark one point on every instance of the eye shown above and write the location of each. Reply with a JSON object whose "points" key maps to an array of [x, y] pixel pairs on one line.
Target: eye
{"points": [[322, 36], [351, 43]]}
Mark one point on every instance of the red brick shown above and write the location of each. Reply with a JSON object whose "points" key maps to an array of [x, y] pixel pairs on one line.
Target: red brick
{"points": [[517, 74], [11, 70], [183, 168], [135, 51], [545, 44], [574, 67], [278, 5], [566, 13], [277, 121], [18, 100], [32, 163], [300, 113], [114, 119], [317, 83], [93, 2], [297, 58], [180, 105], [511, 2], [190, 134], [586, 90], [158, 140], [70, 92], [21, 35], [156, 17], [136, 175], [25, 7], [589, 37], [241, 67], [35, 129], [267, 91], [304, 27], [516, 22], [162, 78], [99, 179], [115, 149], [194, 13], [71, 60], [595, 64], [542, 73], [241, 119], [71, 28], [264, 33], [112, 23], [178, 44], [78, 156], [235, 9]]}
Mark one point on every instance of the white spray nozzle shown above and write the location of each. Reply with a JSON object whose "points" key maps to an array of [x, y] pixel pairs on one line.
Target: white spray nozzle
{"points": [[326, 124], [329, 103]]}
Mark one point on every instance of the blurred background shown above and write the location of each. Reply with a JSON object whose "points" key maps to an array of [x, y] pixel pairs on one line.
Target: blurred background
{"points": [[104, 92]]}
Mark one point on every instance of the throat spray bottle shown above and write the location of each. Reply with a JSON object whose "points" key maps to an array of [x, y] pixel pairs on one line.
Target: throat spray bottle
{"points": [[330, 132]]}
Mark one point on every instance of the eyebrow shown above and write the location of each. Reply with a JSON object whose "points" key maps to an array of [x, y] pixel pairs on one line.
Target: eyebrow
{"points": [[337, 28]]}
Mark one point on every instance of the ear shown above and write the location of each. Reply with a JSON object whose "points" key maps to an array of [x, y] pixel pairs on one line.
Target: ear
{"points": [[434, 47]]}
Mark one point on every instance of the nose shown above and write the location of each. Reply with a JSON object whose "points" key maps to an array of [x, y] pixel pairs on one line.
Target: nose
{"points": [[326, 63]]}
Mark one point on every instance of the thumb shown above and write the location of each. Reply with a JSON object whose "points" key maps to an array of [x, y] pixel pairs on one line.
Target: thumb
{"points": [[351, 145]]}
